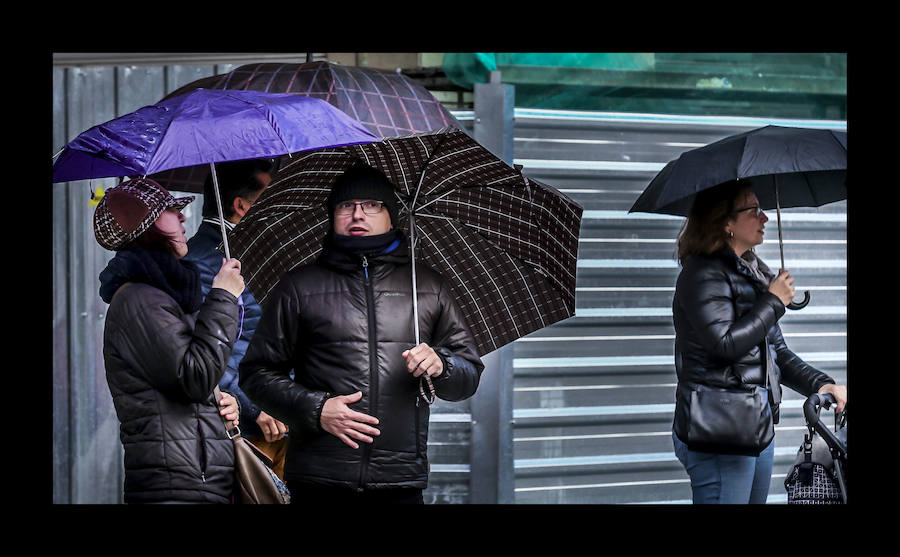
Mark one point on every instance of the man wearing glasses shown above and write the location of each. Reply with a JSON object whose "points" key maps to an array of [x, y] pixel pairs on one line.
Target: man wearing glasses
{"points": [[357, 416]]}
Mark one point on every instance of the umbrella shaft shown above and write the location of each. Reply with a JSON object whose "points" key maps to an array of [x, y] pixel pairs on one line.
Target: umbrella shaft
{"points": [[778, 211], [412, 257], [212, 169]]}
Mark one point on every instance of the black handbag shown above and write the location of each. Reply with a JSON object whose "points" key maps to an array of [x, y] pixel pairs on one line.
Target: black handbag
{"points": [[254, 481], [731, 421]]}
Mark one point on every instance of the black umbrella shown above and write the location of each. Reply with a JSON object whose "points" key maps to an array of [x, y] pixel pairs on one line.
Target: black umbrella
{"points": [[506, 244], [787, 167]]}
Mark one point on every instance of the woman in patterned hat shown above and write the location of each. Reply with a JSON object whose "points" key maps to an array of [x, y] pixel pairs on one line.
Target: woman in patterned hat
{"points": [[165, 349]]}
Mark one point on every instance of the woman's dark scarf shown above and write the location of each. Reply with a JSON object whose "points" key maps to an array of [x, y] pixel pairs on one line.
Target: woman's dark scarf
{"points": [[178, 278]]}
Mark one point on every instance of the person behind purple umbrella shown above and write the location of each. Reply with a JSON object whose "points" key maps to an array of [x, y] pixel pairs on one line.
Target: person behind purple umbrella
{"points": [[359, 428], [240, 184], [165, 349], [726, 309]]}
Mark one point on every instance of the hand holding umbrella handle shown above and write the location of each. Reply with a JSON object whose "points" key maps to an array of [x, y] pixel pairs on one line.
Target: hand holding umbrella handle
{"points": [[793, 305], [800, 305], [782, 286]]}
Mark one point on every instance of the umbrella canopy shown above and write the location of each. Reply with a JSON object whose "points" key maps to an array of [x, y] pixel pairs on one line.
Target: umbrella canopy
{"points": [[202, 127], [809, 166], [787, 167], [506, 244], [387, 103]]}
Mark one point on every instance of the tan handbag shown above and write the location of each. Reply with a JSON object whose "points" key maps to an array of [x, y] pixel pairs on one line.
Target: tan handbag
{"points": [[254, 481]]}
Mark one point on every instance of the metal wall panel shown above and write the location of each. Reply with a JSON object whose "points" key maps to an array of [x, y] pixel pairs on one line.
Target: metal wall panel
{"points": [[594, 395], [60, 389]]}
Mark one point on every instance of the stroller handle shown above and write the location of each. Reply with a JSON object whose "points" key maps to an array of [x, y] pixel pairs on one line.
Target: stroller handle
{"points": [[811, 412]]}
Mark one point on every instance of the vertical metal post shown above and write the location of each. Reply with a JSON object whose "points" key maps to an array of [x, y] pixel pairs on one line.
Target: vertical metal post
{"points": [[491, 459]]}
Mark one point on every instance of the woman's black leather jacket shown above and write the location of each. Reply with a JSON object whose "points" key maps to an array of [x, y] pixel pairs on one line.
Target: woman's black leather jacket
{"points": [[726, 326]]}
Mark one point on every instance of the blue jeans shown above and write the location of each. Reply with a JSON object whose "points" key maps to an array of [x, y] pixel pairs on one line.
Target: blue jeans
{"points": [[727, 479]]}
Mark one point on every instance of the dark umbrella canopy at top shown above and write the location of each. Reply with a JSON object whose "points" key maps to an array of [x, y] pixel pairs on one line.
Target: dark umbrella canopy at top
{"points": [[387, 103], [506, 244], [808, 165]]}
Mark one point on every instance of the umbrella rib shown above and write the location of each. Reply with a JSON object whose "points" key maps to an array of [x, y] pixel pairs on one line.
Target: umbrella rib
{"points": [[469, 225], [523, 242], [429, 160], [428, 155], [345, 89], [271, 122], [436, 199], [252, 75], [272, 79], [542, 208], [463, 283], [812, 190], [281, 247], [301, 172], [399, 99], [528, 289], [312, 81], [402, 168], [386, 108], [499, 292], [467, 170], [502, 214], [418, 100]]}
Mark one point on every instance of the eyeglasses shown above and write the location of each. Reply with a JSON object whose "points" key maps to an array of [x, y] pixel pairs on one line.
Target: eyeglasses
{"points": [[757, 210], [369, 207]]}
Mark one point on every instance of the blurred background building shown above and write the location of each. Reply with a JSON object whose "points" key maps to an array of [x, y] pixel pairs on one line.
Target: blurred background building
{"points": [[583, 412]]}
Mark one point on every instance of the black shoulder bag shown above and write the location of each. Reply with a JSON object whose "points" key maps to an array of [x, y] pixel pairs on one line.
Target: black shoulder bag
{"points": [[731, 421]]}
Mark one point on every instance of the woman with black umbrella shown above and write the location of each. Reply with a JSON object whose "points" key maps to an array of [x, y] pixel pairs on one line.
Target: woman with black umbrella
{"points": [[730, 355]]}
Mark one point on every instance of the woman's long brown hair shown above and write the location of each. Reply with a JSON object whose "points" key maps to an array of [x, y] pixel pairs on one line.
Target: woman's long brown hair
{"points": [[704, 231]]}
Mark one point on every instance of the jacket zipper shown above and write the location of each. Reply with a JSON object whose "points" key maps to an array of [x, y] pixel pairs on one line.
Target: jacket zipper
{"points": [[202, 449], [418, 427], [373, 367]]}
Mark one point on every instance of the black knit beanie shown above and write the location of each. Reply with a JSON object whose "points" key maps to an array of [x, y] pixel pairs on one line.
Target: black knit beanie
{"points": [[364, 182]]}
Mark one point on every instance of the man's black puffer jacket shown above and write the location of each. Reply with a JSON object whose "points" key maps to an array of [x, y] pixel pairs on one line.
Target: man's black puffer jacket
{"points": [[161, 367], [317, 322], [724, 318]]}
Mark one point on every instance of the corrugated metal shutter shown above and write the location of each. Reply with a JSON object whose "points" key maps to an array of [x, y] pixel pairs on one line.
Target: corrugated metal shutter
{"points": [[594, 396]]}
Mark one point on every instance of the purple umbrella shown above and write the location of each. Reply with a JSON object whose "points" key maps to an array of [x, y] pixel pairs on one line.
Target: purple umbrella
{"points": [[387, 103], [205, 127]]}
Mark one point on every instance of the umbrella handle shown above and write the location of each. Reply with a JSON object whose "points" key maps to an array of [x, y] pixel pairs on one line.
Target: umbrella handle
{"points": [[800, 305]]}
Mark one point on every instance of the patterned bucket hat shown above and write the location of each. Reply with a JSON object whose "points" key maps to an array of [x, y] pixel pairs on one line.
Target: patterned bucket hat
{"points": [[129, 209]]}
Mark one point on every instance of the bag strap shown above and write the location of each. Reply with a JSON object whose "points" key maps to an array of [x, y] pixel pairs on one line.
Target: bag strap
{"points": [[227, 422], [236, 437], [774, 388]]}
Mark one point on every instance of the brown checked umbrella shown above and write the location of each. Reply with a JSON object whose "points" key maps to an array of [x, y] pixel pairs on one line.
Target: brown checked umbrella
{"points": [[506, 244], [388, 104]]}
